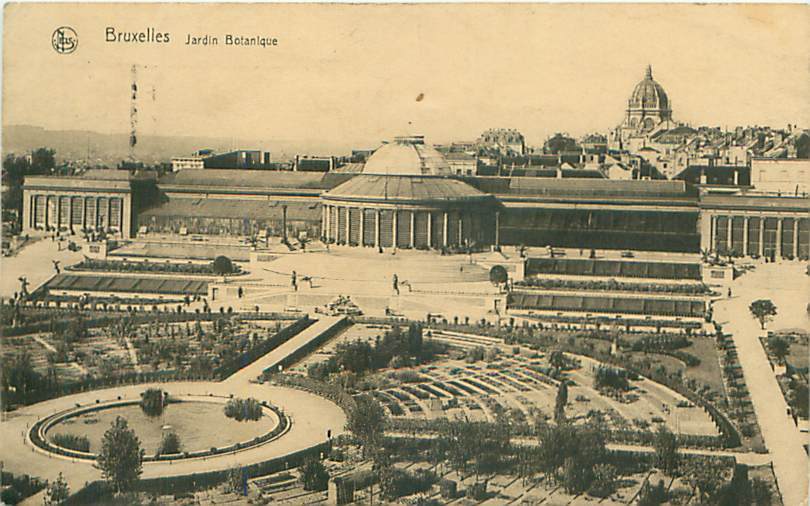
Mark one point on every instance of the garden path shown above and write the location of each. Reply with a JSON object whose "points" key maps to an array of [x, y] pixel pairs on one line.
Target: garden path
{"points": [[787, 287]]}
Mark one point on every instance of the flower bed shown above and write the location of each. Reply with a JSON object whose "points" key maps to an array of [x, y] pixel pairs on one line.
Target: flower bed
{"points": [[167, 267], [613, 285]]}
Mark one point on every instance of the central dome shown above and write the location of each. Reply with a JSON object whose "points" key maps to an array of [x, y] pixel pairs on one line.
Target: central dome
{"points": [[648, 94], [407, 156]]}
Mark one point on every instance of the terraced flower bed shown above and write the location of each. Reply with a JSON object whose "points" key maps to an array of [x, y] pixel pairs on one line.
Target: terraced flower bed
{"points": [[167, 267]]}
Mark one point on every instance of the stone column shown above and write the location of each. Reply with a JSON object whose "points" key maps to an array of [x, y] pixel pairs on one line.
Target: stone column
{"points": [[394, 227], [329, 232], [779, 238], [460, 228], [412, 238], [745, 236], [323, 223], [46, 218], [58, 211], [377, 228], [444, 232], [348, 226], [362, 226], [712, 232], [796, 238], [729, 223], [761, 235], [430, 229], [81, 212], [84, 212]]}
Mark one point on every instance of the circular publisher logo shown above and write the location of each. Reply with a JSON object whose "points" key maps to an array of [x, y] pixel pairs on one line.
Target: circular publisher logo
{"points": [[64, 40]]}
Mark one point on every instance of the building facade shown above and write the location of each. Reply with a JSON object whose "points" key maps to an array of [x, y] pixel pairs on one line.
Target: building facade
{"points": [[97, 201], [756, 225]]}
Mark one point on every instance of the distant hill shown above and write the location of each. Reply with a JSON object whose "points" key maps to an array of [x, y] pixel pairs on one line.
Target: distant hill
{"points": [[112, 148]]}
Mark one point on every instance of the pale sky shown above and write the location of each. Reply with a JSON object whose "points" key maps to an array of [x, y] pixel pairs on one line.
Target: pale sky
{"points": [[351, 74]]}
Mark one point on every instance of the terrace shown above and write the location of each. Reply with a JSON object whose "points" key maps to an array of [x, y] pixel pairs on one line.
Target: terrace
{"points": [[69, 284]]}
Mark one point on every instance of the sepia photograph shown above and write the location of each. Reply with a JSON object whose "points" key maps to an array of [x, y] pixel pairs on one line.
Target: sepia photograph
{"points": [[409, 254]]}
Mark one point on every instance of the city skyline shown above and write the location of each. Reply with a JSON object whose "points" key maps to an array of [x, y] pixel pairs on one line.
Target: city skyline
{"points": [[327, 82]]}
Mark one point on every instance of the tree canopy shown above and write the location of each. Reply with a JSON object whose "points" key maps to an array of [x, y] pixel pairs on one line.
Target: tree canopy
{"points": [[222, 265], [367, 422], [498, 275], [666, 451], [763, 310], [314, 475], [780, 347], [121, 456], [58, 491]]}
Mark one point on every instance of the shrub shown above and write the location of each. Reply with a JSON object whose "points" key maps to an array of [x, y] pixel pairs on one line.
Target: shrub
{"points": [[402, 483], [72, 442], [498, 275], [604, 480], [608, 377], [478, 491], [314, 475], [152, 402], [222, 266], [170, 443], [243, 409], [448, 489]]}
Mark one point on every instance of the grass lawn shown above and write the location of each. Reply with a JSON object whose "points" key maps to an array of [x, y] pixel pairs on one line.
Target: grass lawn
{"points": [[200, 426], [707, 372], [799, 356]]}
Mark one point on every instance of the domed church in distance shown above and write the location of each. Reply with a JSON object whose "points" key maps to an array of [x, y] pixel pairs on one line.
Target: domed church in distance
{"points": [[649, 111]]}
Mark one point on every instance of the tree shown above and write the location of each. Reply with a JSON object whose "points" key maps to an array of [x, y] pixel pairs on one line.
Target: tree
{"points": [[604, 480], [498, 275], [58, 491], [367, 422], [19, 376], [14, 170], [652, 496], [571, 452], [237, 480], [799, 398], [562, 400], [152, 402], [560, 142], [314, 475], [704, 477], [761, 494], [666, 451], [121, 456], [779, 347], [763, 310], [169, 444], [222, 266]]}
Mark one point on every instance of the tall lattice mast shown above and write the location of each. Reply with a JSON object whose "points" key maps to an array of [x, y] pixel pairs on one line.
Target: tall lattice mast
{"points": [[133, 115]]}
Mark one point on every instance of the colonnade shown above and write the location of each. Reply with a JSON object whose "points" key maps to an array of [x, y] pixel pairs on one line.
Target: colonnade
{"points": [[403, 228], [54, 211], [759, 234]]}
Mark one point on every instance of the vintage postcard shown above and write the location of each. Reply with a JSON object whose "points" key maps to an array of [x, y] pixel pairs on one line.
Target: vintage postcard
{"points": [[416, 254]]}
